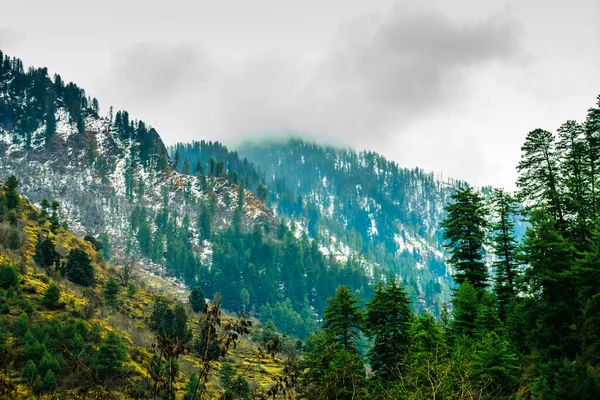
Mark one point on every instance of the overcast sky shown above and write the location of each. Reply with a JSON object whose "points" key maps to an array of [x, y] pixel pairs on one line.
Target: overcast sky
{"points": [[451, 86]]}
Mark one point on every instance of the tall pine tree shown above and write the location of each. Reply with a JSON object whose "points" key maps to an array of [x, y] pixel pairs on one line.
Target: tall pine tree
{"points": [[388, 318], [504, 245], [465, 233]]}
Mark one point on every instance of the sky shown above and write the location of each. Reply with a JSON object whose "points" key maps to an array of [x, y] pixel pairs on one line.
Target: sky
{"points": [[450, 86]]}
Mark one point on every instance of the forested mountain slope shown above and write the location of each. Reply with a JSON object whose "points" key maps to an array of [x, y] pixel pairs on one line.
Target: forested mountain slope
{"points": [[356, 204], [74, 326], [112, 178]]}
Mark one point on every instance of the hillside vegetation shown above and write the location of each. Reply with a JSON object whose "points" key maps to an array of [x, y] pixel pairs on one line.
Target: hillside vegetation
{"points": [[74, 326]]}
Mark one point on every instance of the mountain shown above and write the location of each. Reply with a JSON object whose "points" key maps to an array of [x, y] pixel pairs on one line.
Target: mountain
{"points": [[114, 181], [358, 205]]}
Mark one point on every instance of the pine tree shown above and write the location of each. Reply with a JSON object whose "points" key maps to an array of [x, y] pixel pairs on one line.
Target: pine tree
{"points": [[504, 245], [466, 306], [186, 167], [30, 372], [111, 293], [344, 318], [538, 180], [387, 320], [111, 356], [177, 158], [51, 297], [591, 129], [426, 337], [465, 233], [45, 253], [487, 319], [49, 383], [226, 375], [79, 268], [572, 149], [495, 365], [588, 284], [197, 300], [11, 195], [190, 388], [551, 285]]}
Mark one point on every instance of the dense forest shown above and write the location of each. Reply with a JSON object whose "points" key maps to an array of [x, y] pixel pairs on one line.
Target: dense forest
{"points": [[359, 203], [529, 331]]}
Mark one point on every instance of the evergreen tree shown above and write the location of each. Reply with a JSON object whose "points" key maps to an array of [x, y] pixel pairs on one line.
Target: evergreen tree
{"points": [[344, 318], [331, 371], [30, 372], [571, 148], [197, 300], [551, 285], [45, 252], [11, 195], [538, 180], [588, 282], [591, 129], [9, 277], [49, 383], [495, 365], [465, 233], [226, 375], [51, 297], [111, 293], [79, 268], [186, 167], [387, 320], [106, 246], [111, 356], [426, 337], [465, 304], [504, 245], [176, 159], [487, 319]]}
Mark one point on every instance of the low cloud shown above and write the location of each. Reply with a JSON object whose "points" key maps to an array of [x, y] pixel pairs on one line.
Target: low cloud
{"points": [[154, 73], [379, 75]]}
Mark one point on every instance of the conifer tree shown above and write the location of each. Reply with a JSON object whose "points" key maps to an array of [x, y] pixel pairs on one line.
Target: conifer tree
{"points": [[465, 233], [504, 245], [11, 195], [487, 319], [79, 268], [186, 167], [551, 285], [51, 297], [344, 318], [111, 356], [111, 293], [495, 365], [196, 299], [387, 320], [49, 383], [45, 252], [538, 180], [426, 337], [465, 304], [591, 129]]}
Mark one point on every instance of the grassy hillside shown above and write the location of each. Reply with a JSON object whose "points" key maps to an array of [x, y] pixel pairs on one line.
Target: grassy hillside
{"points": [[70, 337]]}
